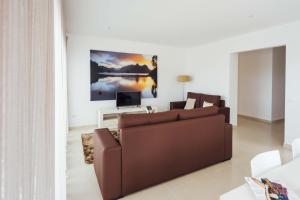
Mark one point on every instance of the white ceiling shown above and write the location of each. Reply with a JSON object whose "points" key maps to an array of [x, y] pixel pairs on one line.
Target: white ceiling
{"points": [[174, 22]]}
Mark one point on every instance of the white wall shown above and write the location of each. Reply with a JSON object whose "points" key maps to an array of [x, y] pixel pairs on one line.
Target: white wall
{"points": [[261, 83], [212, 66], [255, 83], [82, 111], [278, 84]]}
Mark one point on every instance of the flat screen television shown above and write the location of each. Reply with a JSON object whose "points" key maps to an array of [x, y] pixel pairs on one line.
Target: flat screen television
{"points": [[128, 99]]}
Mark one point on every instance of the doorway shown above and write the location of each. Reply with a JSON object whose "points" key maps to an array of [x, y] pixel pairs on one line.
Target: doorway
{"points": [[257, 85]]}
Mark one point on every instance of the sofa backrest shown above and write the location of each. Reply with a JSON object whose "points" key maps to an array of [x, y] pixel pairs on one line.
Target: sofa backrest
{"points": [[215, 99], [200, 98], [197, 96], [131, 120], [197, 113]]}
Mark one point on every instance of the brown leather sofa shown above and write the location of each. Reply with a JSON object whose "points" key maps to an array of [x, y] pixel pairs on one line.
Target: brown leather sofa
{"points": [[154, 148], [200, 98]]}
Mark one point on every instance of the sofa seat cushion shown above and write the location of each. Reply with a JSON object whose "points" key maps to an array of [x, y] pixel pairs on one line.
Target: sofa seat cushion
{"points": [[131, 120], [198, 113], [214, 99]]}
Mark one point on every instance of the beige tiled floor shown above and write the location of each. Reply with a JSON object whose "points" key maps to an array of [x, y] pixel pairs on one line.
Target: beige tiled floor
{"points": [[249, 138]]}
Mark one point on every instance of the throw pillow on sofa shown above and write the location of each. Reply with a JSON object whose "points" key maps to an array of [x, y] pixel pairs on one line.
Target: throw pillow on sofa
{"points": [[190, 104], [207, 104]]}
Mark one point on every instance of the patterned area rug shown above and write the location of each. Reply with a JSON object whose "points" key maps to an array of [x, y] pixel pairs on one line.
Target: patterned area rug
{"points": [[88, 145]]}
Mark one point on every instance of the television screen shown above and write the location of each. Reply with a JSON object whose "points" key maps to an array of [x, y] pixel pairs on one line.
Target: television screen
{"points": [[128, 99]]}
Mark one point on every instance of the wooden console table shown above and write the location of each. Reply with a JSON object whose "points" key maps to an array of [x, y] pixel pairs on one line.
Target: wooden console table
{"points": [[117, 111]]}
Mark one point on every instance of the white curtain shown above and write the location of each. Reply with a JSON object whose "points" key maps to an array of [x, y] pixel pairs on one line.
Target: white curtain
{"points": [[27, 100], [61, 126]]}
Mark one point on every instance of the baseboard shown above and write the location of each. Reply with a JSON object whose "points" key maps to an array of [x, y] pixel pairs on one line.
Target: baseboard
{"points": [[287, 146], [278, 121], [84, 126], [261, 120]]}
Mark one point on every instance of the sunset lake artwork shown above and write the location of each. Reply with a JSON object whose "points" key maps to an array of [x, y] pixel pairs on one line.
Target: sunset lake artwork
{"points": [[126, 72]]}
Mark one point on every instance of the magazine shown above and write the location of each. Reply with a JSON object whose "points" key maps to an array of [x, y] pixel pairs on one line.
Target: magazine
{"points": [[266, 189]]}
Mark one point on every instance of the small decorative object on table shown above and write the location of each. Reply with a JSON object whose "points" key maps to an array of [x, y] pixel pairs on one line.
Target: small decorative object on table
{"points": [[150, 109], [264, 189]]}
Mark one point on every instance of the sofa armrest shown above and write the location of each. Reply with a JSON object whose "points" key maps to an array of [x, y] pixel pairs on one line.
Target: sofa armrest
{"points": [[107, 164], [228, 141], [222, 103], [226, 112], [177, 105]]}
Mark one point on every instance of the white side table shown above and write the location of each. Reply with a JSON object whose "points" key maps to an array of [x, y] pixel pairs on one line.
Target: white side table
{"points": [[109, 111]]}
